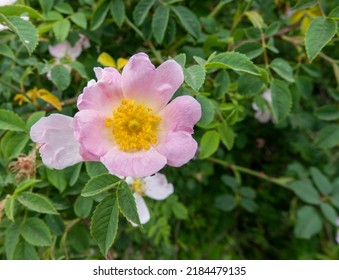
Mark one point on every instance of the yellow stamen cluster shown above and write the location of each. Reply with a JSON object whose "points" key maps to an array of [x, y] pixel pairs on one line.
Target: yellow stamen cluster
{"points": [[133, 126], [137, 186]]}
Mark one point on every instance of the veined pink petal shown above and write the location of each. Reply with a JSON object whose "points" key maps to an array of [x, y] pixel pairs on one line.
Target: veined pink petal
{"points": [[104, 95], [137, 79], [59, 148], [157, 187], [178, 147], [167, 79], [181, 114], [135, 164], [150, 86], [59, 50], [142, 209], [91, 131]]}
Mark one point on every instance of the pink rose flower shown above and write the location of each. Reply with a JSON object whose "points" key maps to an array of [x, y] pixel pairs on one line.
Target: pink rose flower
{"points": [[155, 187], [124, 121]]}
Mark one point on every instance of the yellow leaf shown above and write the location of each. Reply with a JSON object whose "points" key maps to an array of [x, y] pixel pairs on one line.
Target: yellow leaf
{"points": [[49, 98], [121, 63], [305, 17], [106, 60], [32, 94], [20, 98]]}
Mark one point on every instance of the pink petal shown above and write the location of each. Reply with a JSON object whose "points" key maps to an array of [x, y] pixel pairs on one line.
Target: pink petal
{"points": [[59, 50], [137, 79], [75, 51], [93, 135], [181, 114], [149, 86], [178, 147], [104, 95], [263, 117], [59, 148], [167, 79], [137, 164], [142, 209], [157, 187]]}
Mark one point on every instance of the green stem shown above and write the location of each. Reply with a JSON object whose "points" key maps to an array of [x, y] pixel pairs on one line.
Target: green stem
{"points": [[10, 86], [155, 52], [328, 59], [136, 29], [217, 9], [250, 172]]}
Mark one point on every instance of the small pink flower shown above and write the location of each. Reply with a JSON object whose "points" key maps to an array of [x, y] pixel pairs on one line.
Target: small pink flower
{"points": [[124, 121], [265, 115], [156, 187]]}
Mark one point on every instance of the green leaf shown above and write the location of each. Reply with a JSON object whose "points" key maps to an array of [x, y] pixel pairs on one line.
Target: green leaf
{"points": [[83, 206], [209, 144], [334, 14], [55, 223], [118, 11], [64, 8], [34, 118], [6, 51], [329, 213], [9, 208], [180, 211], [24, 185], [18, 10], [95, 168], [79, 19], [37, 203], [251, 49], [181, 59], [281, 100], [99, 184], [308, 222], [188, 20], [127, 203], [195, 76], [61, 29], [235, 61], [36, 232], [79, 67], [328, 112], [141, 10], [12, 239], [160, 22], [306, 192], [248, 204], [61, 77], [321, 181], [283, 69], [318, 34], [25, 251], [57, 178], [226, 135], [222, 83], [225, 202], [247, 192], [249, 85], [104, 223], [13, 143], [328, 137], [207, 110], [303, 4], [99, 15], [11, 121]]}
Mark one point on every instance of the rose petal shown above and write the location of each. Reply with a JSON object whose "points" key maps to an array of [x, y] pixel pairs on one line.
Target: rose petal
{"points": [[181, 114], [137, 164], [178, 147], [137, 79], [93, 135], [59, 148], [263, 117], [103, 96], [144, 215], [59, 50], [157, 187], [167, 79]]}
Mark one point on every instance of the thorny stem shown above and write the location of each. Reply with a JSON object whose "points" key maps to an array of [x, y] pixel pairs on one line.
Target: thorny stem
{"points": [[250, 172]]}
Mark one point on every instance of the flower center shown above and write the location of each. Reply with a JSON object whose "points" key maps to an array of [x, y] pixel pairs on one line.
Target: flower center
{"points": [[137, 186], [133, 126]]}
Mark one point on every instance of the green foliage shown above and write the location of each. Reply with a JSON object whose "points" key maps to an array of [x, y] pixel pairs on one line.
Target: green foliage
{"points": [[264, 182]]}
